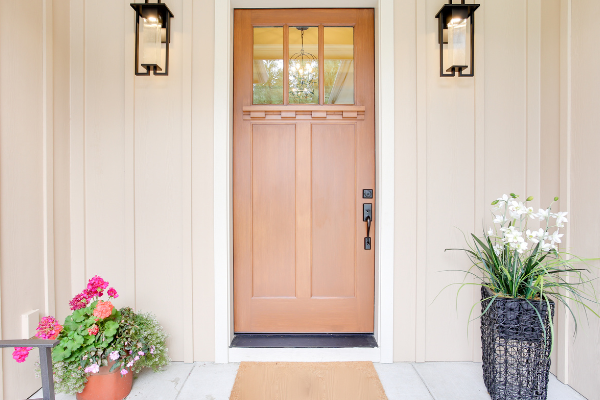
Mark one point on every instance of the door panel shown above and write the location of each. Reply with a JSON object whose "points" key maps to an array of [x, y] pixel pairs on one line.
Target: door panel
{"points": [[299, 172], [333, 204], [273, 211]]}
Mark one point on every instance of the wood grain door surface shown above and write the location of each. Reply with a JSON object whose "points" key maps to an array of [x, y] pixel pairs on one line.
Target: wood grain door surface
{"points": [[298, 177]]}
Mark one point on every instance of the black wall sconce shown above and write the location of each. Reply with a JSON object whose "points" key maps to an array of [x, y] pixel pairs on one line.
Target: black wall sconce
{"points": [[456, 30], [152, 30]]}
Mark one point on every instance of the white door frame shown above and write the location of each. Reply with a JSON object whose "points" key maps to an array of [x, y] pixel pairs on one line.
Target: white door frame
{"points": [[384, 211]]}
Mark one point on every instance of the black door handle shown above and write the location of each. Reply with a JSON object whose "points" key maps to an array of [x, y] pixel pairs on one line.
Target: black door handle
{"points": [[367, 216]]}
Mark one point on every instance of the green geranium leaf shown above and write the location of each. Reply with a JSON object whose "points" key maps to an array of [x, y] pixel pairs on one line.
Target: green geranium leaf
{"points": [[70, 325], [110, 328], [60, 353]]}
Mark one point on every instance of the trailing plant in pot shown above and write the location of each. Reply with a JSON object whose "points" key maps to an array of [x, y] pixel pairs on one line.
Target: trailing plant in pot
{"points": [[523, 275], [101, 347]]}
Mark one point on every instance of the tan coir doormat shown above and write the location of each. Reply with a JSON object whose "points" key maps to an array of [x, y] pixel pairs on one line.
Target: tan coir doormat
{"points": [[307, 381]]}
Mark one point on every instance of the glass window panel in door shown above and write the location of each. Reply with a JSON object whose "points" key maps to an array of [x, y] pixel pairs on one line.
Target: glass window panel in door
{"points": [[338, 53], [304, 65], [267, 65]]}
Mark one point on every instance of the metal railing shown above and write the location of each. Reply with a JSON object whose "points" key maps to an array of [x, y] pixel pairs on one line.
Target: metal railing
{"points": [[45, 347]]}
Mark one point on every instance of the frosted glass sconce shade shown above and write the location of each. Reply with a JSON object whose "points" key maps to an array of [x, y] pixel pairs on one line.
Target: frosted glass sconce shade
{"points": [[152, 38], [456, 38]]}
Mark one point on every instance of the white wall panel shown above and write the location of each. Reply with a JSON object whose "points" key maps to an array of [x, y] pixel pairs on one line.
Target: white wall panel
{"points": [[202, 179], [505, 97], [21, 181], [158, 192], [104, 147], [584, 184], [450, 200]]}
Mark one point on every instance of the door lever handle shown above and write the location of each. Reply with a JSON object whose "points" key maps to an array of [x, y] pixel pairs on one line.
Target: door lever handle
{"points": [[367, 216]]}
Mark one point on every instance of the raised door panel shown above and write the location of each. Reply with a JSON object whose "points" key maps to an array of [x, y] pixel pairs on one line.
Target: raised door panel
{"points": [[273, 211], [333, 210]]}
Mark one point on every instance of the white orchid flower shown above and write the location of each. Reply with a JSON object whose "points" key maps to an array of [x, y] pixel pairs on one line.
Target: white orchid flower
{"points": [[555, 237], [530, 213], [536, 236], [500, 219], [543, 214], [560, 218], [516, 209], [498, 249], [522, 247], [546, 246], [531, 236], [490, 232]]}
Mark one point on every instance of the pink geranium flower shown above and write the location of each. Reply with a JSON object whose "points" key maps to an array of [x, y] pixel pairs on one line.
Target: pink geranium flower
{"points": [[112, 293], [20, 354], [96, 285], [124, 372], [49, 328], [79, 301]]}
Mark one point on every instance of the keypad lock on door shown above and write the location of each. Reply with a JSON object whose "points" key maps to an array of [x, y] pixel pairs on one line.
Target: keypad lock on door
{"points": [[368, 217]]}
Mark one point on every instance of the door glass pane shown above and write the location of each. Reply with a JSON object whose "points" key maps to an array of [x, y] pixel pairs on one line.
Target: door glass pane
{"points": [[304, 65], [267, 65], [339, 65]]}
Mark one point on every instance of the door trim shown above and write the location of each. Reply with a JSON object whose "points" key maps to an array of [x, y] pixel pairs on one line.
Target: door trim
{"points": [[384, 169]]}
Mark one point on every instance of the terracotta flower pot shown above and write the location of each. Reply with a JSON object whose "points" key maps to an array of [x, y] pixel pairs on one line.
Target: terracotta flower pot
{"points": [[107, 385]]}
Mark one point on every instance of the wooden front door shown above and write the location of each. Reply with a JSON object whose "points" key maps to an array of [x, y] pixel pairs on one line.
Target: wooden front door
{"points": [[303, 152]]}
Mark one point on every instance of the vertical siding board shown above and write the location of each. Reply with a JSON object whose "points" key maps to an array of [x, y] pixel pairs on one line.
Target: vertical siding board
{"points": [[534, 53], [563, 334], [22, 176], [159, 191], [202, 180], [77, 145], [186, 169], [583, 142], [105, 138], [48, 158], [450, 194], [421, 232], [481, 203], [405, 254], [505, 98], [550, 113], [129, 152]]}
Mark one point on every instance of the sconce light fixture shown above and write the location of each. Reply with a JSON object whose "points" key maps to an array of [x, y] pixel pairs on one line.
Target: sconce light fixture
{"points": [[152, 37], [456, 31]]}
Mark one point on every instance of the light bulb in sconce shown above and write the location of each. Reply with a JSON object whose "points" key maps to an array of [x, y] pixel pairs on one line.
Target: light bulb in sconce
{"points": [[151, 41], [457, 42]]}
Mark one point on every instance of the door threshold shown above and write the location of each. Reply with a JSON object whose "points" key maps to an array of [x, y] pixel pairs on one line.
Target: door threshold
{"points": [[303, 340]]}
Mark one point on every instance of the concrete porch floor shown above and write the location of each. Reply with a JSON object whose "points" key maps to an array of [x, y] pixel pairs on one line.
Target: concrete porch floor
{"points": [[401, 381]]}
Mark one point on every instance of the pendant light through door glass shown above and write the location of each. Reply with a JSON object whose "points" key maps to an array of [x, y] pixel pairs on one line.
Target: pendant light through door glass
{"points": [[304, 66]]}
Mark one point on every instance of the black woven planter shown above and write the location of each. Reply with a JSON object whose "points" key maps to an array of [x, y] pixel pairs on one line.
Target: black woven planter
{"points": [[516, 359]]}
